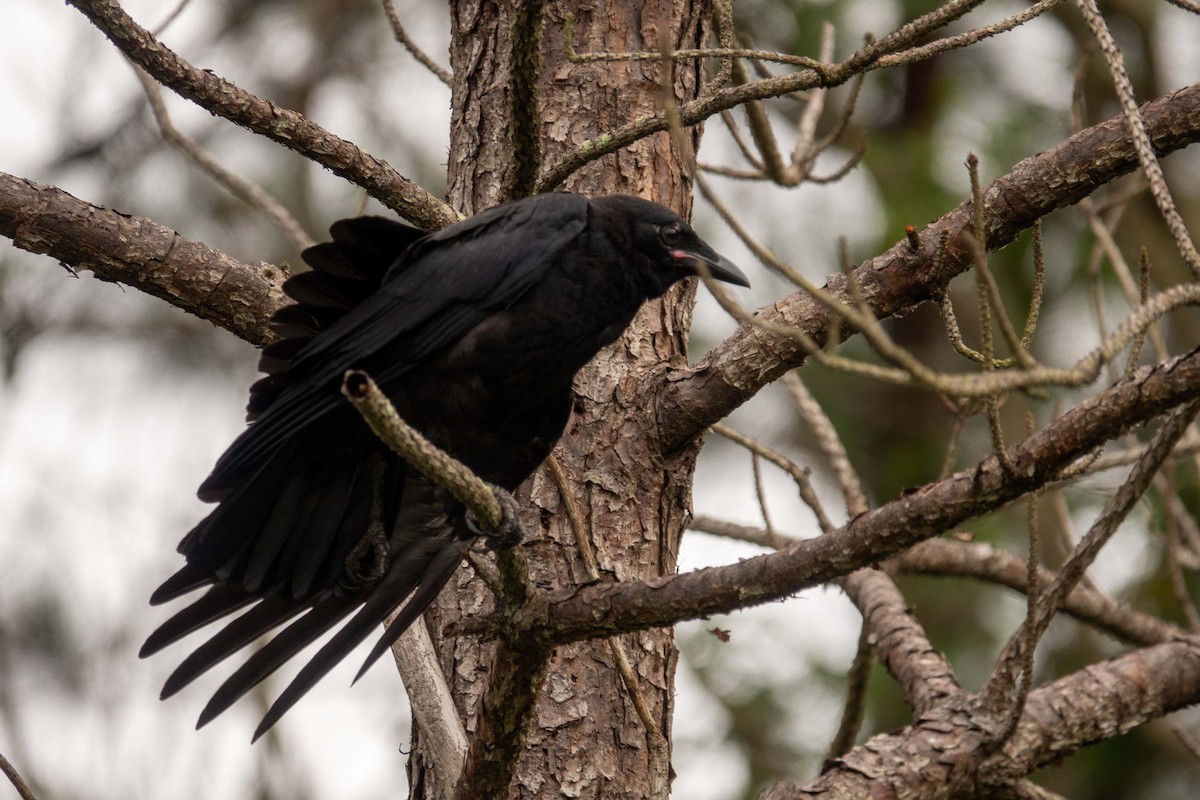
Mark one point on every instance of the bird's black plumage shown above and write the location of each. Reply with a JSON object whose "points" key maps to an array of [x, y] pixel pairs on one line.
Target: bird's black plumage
{"points": [[475, 332]]}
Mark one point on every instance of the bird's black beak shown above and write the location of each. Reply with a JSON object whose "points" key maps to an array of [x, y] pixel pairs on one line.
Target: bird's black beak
{"points": [[718, 265]]}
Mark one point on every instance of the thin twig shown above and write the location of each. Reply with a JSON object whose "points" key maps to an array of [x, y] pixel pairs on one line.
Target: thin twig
{"points": [[1165, 483], [1115, 511], [804, 153], [854, 711], [742, 533], [816, 74], [1137, 130], [908, 370], [441, 73], [221, 97], [1032, 596], [171, 17], [800, 475], [760, 492], [16, 780], [944, 558], [248, 192], [830, 444], [984, 272], [967, 38], [1188, 741]]}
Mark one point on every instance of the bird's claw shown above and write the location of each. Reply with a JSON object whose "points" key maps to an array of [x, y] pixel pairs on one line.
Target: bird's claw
{"points": [[508, 534]]}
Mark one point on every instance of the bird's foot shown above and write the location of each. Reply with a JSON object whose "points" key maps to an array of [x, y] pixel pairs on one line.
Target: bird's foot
{"points": [[509, 533], [368, 561]]}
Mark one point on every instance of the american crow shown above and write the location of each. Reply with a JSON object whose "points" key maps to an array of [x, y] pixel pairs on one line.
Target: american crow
{"points": [[475, 332]]}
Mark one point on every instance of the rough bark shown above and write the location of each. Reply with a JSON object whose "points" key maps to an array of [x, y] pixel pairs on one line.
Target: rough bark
{"points": [[138, 252], [949, 753], [585, 738]]}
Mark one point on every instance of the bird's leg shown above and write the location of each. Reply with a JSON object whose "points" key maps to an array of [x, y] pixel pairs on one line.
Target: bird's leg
{"points": [[368, 561]]}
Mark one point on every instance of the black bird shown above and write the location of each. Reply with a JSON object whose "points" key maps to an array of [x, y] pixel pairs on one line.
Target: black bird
{"points": [[475, 332]]}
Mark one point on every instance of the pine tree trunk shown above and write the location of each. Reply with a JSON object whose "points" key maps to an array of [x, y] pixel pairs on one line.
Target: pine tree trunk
{"points": [[586, 738]]}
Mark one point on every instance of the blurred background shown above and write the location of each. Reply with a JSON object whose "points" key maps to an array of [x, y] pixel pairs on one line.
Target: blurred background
{"points": [[113, 405]]}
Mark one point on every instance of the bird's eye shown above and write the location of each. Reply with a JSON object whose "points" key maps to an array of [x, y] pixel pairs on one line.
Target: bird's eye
{"points": [[671, 234]]}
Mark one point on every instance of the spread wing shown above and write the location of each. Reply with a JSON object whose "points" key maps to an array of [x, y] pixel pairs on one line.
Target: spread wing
{"points": [[440, 288], [317, 521]]}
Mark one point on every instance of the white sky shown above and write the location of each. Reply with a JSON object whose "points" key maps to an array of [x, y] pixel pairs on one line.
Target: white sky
{"points": [[100, 453]]}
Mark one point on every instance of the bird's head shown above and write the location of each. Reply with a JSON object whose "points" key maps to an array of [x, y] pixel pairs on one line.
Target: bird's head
{"points": [[668, 246]]}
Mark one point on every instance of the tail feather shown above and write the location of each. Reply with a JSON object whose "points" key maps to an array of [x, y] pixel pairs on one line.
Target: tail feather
{"points": [[284, 539], [310, 546], [188, 579], [324, 615], [278, 354], [273, 534], [217, 602], [423, 580], [269, 613], [344, 273], [436, 575], [297, 321]]}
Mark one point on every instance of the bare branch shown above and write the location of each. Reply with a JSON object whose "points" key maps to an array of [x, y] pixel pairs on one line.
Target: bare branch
{"points": [[855, 710], [521, 657], [801, 476], [141, 253], [479, 497], [432, 705], [815, 75], [945, 754], [1115, 511], [1137, 130], [16, 780], [943, 557], [292, 130], [899, 279], [249, 193], [441, 73], [590, 611], [987, 563], [900, 642]]}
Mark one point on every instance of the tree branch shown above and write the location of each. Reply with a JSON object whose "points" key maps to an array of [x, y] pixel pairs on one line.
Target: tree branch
{"points": [[900, 642], [895, 281], [945, 754], [294, 131], [816, 75], [522, 656], [432, 705], [141, 253], [600, 610], [942, 557]]}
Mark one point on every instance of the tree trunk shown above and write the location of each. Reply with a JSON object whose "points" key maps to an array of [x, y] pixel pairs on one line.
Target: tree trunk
{"points": [[586, 738]]}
